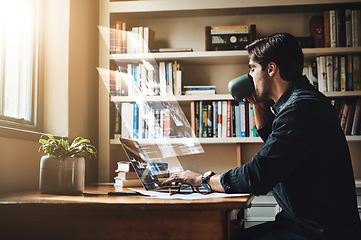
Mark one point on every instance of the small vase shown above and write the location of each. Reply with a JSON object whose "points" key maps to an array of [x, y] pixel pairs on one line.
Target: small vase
{"points": [[58, 176]]}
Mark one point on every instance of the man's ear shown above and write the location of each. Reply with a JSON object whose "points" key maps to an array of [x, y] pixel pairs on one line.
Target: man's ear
{"points": [[271, 69]]}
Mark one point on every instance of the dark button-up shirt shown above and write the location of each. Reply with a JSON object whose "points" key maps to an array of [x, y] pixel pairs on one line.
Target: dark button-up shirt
{"points": [[305, 163]]}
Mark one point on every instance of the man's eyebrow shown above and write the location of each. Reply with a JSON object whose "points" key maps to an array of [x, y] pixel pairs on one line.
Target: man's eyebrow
{"points": [[250, 65]]}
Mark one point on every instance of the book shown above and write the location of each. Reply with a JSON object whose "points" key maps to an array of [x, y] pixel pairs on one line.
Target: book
{"points": [[118, 37], [219, 119], [204, 114], [348, 28], [349, 118], [355, 25], [356, 121], [336, 73], [229, 118], [343, 79], [124, 166], [356, 72], [329, 73], [317, 31], [349, 73], [173, 50], [243, 117], [326, 29], [340, 28], [224, 118], [333, 28]]}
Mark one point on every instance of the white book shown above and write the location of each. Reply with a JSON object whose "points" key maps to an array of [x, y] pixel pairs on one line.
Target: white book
{"points": [[333, 28], [131, 120], [219, 123], [319, 74], [329, 73], [140, 40], [224, 119], [125, 122], [162, 79], [179, 81], [323, 73], [146, 40], [130, 80], [134, 38]]}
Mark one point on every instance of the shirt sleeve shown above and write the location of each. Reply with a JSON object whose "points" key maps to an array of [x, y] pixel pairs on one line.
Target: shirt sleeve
{"points": [[284, 148]]}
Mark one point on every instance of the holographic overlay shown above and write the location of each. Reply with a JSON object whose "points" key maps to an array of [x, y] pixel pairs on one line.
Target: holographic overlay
{"points": [[145, 100]]}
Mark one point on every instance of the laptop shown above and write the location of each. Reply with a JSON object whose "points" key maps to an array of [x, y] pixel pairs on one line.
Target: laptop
{"points": [[142, 168]]}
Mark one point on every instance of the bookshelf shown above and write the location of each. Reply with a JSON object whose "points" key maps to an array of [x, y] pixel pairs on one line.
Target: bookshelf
{"points": [[180, 24]]}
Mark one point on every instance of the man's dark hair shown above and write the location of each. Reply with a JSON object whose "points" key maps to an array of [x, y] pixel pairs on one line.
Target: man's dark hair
{"points": [[282, 49]]}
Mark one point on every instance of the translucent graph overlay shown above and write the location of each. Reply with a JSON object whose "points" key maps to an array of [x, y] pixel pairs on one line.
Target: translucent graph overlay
{"points": [[143, 94]]}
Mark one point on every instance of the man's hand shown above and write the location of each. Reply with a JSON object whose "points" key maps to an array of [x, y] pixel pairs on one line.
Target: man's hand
{"points": [[188, 177]]}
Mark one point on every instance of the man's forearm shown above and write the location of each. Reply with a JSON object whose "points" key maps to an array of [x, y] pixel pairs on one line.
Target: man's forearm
{"points": [[215, 183]]}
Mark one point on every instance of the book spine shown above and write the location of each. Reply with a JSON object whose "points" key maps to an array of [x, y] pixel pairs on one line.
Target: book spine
{"points": [[329, 73], [243, 121], [200, 119], [336, 73], [205, 119], [219, 119], [349, 73], [162, 79], [348, 28], [229, 118], [356, 120], [237, 120], [118, 37], [323, 73], [166, 124], [215, 118], [209, 120], [224, 118], [333, 28], [135, 121], [356, 64], [326, 22]]}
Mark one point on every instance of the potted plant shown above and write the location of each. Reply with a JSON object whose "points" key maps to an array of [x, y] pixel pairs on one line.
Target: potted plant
{"points": [[62, 170]]}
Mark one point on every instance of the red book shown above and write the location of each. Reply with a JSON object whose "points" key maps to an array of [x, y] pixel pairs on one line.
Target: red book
{"points": [[317, 30], [229, 117]]}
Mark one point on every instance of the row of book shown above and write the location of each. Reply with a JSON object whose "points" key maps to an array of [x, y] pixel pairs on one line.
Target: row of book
{"points": [[349, 114], [136, 40], [337, 28], [335, 73], [144, 121], [136, 79], [223, 119]]}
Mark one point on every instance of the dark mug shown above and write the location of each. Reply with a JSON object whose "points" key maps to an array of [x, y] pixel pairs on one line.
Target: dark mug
{"points": [[241, 87]]}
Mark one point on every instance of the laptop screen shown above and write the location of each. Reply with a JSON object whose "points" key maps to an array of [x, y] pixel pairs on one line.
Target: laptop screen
{"points": [[140, 164]]}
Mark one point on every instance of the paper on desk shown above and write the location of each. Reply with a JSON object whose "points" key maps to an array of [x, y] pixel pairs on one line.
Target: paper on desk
{"points": [[193, 196]]}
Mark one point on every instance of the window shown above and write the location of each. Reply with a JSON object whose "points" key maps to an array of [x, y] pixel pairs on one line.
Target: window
{"points": [[19, 38]]}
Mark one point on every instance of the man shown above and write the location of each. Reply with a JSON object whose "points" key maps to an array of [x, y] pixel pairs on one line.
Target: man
{"points": [[305, 161]]}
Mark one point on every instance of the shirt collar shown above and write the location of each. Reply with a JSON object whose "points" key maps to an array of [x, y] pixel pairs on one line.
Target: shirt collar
{"points": [[275, 109]]}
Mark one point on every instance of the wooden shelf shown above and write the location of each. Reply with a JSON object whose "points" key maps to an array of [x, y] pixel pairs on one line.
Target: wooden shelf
{"points": [[228, 57], [201, 140], [155, 6], [343, 94], [212, 97]]}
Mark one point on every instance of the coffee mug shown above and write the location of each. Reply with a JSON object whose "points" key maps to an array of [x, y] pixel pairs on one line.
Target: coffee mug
{"points": [[241, 87]]}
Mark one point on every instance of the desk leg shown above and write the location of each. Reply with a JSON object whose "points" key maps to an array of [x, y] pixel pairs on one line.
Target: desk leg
{"points": [[234, 221]]}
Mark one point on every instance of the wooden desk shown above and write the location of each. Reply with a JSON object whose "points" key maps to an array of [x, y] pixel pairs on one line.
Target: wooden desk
{"points": [[97, 216]]}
